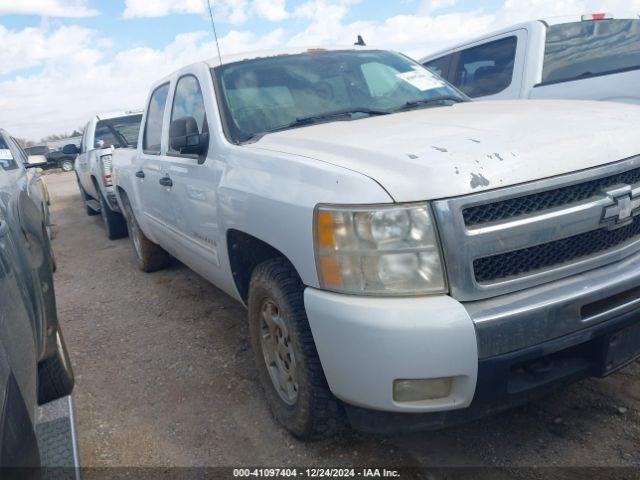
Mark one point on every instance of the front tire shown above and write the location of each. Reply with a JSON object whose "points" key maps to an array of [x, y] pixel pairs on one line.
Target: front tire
{"points": [[114, 222], [288, 365], [66, 165], [150, 256]]}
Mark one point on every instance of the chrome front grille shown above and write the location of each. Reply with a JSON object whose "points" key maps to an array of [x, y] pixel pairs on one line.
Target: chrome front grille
{"points": [[537, 202], [505, 240]]}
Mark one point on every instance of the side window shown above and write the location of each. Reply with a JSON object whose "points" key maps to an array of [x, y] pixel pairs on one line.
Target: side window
{"points": [[7, 162], [153, 124], [188, 103], [486, 69], [439, 66]]}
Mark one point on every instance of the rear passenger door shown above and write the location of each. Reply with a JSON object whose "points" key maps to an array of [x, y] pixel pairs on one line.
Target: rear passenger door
{"points": [[194, 178], [491, 69]]}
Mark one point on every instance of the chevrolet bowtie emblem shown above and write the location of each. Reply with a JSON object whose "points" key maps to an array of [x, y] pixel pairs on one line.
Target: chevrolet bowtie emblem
{"points": [[625, 205]]}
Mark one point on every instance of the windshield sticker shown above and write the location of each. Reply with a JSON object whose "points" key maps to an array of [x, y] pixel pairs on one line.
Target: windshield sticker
{"points": [[421, 80], [5, 154]]}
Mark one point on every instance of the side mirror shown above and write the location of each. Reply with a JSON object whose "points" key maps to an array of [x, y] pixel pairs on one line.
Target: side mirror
{"points": [[70, 149], [185, 138]]}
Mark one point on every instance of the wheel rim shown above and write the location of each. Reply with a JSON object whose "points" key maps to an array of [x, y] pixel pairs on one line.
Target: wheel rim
{"points": [[277, 351], [67, 166]]}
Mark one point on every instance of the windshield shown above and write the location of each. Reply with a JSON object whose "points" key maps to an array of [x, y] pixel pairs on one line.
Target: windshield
{"points": [[117, 132], [585, 49], [288, 91]]}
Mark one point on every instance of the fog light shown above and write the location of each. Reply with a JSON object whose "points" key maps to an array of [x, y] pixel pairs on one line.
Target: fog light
{"points": [[421, 389]]}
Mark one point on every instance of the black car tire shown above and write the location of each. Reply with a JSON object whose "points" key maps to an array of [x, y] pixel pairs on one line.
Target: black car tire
{"points": [[55, 375], [114, 222], [150, 257], [316, 413]]}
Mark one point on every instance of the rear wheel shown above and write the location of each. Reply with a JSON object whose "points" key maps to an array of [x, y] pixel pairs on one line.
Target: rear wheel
{"points": [[114, 222], [288, 365], [150, 256]]}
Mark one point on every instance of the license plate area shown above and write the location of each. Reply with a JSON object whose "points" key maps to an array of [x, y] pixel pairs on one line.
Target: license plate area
{"points": [[620, 349]]}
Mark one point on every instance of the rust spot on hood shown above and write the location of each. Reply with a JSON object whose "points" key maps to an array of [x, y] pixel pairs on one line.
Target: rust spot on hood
{"points": [[478, 180]]}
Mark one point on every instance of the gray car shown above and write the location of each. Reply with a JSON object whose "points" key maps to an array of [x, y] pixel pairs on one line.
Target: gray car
{"points": [[34, 364]]}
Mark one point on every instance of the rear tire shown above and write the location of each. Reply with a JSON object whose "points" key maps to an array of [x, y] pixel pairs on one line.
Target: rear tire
{"points": [[288, 365], [55, 375], [114, 222], [149, 256]]}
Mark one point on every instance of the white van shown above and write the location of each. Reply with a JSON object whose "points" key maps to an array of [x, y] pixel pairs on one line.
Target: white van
{"points": [[593, 57]]}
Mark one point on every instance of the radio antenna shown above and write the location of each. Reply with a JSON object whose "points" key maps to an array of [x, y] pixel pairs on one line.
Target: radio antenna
{"points": [[213, 26]]}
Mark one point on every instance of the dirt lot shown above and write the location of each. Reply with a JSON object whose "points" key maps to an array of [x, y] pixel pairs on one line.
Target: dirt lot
{"points": [[165, 378]]}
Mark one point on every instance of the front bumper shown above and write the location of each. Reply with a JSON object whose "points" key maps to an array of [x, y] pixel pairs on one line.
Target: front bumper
{"points": [[365, 343], [515, 378]]}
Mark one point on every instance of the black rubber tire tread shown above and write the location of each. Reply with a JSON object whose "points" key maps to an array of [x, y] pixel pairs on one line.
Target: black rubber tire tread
{"points": [[317, 413], [114, 222], [154, 257], [55, 375], [85, 196]]}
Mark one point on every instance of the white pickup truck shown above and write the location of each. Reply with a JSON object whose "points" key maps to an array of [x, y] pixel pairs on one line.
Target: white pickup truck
{"points": [[407, 257], [589, 57], [102, 135]]}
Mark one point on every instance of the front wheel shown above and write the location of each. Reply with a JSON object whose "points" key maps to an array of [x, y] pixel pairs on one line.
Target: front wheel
{"points": [[66, 165], [288, 365]]}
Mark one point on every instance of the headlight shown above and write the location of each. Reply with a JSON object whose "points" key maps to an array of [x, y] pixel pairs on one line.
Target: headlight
{"points": [[390, 250]]}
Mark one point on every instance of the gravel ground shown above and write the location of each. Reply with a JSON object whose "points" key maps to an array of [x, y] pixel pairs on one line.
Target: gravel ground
{"points": [[165, 378]]}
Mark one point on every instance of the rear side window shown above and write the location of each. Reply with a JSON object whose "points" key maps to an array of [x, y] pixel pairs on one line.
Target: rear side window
{"points": [[486, 69], [586, 49], [7, 162], [155, 113]]}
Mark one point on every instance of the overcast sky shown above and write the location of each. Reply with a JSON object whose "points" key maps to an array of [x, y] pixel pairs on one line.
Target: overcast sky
{"points": [[64, 60]]}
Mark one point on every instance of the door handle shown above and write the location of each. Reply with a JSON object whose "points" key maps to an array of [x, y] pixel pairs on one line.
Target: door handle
{"points": [[140, 174], [166, 182]]}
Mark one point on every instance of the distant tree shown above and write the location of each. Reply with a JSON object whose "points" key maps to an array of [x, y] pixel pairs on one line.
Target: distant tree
{"points": [[24, 143]]}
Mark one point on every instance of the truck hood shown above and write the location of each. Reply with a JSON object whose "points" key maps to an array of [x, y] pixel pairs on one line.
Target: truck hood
{"points": [[470, 147]]}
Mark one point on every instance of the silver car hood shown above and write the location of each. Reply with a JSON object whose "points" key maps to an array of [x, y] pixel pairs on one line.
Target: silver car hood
{"points": [[450, 151]]}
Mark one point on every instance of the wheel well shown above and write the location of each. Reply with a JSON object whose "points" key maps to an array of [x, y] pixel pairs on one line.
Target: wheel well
{"points": [[245, 253]]}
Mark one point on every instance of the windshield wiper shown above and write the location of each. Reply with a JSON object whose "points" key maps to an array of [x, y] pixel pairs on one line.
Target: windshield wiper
{"points": [[429, 101], [311, 119]]}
